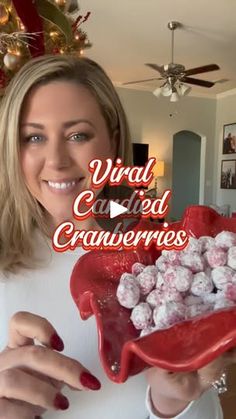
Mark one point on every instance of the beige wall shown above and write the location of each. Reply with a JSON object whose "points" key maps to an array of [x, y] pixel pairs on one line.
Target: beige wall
{"points": [[150, 122], [225, 114]]}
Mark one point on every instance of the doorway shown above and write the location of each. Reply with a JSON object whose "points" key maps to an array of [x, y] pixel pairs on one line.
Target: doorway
{"points": [[188, 172]]}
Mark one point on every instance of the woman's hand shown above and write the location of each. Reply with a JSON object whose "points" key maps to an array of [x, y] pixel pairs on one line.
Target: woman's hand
{"points": [[31, 376], [172, 392]]}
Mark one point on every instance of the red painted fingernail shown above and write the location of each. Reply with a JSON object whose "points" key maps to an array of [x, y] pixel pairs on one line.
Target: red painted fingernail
{"points": [[61, 402], [56, 342], [88, 380]]}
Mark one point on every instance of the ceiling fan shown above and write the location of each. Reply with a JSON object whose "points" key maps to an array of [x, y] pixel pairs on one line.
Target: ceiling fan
{"points": [[175, 75]]}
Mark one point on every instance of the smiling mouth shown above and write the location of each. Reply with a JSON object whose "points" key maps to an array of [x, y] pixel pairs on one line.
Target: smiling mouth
{"points": [[63, 186]]}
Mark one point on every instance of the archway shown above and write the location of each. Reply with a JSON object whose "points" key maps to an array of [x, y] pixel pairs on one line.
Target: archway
{"points": [[188, 173]]}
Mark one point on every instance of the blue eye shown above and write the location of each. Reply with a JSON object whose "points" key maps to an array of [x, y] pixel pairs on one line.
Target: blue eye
{"points": [[33, 139], [78, 137]]}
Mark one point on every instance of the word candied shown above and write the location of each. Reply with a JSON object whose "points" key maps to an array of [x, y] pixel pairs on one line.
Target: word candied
{"points": [[86, 205]]}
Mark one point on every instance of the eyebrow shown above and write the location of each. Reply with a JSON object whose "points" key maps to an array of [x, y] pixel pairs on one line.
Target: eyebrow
{"points": [[67, 124]]}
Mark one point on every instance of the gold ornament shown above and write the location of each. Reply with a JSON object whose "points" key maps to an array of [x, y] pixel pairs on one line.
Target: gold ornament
{"points": [[60, 3], [11, 61], [4, 15]]}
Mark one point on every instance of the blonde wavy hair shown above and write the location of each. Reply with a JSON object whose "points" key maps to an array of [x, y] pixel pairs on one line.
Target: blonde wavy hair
{"points": [[20, 213]]}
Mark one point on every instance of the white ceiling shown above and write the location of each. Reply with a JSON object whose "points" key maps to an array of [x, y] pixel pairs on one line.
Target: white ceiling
{"points": [[128, 33]]}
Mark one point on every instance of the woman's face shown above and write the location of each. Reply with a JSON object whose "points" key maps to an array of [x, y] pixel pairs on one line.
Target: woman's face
{"points": [[61, 130]]}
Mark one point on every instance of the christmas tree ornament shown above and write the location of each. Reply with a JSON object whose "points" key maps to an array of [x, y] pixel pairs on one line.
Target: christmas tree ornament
{"points": [[11, 61], [60, 3]]}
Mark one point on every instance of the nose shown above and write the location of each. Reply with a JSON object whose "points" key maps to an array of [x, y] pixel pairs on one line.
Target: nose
{"points": [[57, 155]]}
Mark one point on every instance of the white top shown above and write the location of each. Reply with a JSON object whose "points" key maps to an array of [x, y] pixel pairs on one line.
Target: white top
{"points": [[45, 291], [207, 407]]}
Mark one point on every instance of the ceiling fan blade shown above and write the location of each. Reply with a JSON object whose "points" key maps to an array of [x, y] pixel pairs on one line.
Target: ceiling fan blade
{"points": [[198, 82], [141, 81], [202, 69], [155, 67]]}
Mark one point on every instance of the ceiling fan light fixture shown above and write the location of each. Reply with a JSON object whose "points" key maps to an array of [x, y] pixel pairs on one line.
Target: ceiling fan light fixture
{"points": [[157, 92], [166, 90], [183, 89], [174, 97]]}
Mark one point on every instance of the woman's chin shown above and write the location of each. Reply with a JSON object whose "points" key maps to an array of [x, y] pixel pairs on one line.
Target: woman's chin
{"points": [[55, 220]]}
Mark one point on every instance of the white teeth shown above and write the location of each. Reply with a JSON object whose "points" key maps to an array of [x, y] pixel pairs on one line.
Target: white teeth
{"points": [[62, 185]]}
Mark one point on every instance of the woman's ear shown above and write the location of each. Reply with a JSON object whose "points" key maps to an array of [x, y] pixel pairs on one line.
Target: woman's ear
{"points": [[115, 142]]}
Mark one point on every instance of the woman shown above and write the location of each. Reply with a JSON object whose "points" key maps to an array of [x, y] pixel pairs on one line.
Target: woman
{"points": [[58, 114]]}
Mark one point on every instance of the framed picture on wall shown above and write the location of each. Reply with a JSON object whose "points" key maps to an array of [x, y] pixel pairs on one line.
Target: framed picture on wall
{"points": [[228, 174], [229, 139]]}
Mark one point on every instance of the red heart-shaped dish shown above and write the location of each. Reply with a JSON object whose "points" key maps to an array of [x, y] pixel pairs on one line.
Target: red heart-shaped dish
{"points": [[183, 347]]}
